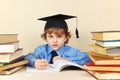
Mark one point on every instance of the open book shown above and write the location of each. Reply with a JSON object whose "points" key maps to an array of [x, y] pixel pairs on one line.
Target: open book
{"points": [[59, 65]]}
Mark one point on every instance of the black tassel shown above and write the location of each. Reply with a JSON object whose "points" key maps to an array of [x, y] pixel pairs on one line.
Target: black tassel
{"points": [[77, 33]]}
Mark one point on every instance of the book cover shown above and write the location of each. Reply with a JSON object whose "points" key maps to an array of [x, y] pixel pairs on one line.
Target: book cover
{"points": [[106, 35], [59, 65], [108, 44], [6, 58], [9, 47], [13, 65], [11, 70], [6, 38], [103, 50]]}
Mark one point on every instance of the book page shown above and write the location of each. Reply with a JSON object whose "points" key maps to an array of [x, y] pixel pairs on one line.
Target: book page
{"points": [[61, 64], [48, 69], [56, 67]]}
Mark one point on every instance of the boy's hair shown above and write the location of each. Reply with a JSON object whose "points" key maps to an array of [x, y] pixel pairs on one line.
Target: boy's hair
{"points": [[57, 31]]}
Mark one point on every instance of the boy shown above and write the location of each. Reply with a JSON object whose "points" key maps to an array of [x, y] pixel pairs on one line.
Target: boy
{"points": [[56, 35]]}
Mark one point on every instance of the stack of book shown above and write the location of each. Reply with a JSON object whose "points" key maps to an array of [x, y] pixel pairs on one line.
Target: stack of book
{"points": [[11, 56], [105, 55]]}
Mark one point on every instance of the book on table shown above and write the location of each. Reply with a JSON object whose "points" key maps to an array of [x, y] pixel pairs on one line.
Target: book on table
{"points": [[13, 61], [59, 65], [6, 38], [108, 44], [106, 35], [108, 68], [13, 65], [98, 60], [103, 55], [11, 70], [8, 57], [9, 47], [105, 75], [104, 50]]}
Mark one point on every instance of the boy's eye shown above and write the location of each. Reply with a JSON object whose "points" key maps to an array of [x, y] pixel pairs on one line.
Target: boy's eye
{"points": [[50, 36], [59, 36]]}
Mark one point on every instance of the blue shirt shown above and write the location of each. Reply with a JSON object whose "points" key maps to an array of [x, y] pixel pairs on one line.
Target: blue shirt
{"points": [[72, 54]]}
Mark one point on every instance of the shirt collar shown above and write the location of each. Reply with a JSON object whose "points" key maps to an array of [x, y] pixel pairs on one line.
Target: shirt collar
{"points": [[60, 50]]}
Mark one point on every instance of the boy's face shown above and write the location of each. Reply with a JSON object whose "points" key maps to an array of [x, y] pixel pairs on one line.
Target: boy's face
{"points": [[55, 41]]}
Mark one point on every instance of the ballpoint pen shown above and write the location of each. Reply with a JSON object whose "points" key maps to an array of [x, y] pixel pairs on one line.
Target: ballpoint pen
{"points": [[39, 58]]}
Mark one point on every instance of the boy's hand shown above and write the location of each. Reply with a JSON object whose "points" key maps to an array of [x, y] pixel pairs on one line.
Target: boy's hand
{"points": [[58, 58], [41, 64]]}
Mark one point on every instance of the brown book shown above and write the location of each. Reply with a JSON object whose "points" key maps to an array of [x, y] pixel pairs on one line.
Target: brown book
{"points": [[11, 70], [14, 61], [105, 75], [106, 35], [13, 65], [6, 58], [5, 38], [108, 51], [108, 68], [99, 60]]}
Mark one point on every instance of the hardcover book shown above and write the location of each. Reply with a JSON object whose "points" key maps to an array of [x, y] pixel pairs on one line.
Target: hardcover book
{"points": [[105, 75], [11, 70], [98, 60], [6, 38], [108, 44], [14, 61], [108, 68], [9, 47], [102, 55], [13, 65], [106, 35], [103, 50], [6, 58]]}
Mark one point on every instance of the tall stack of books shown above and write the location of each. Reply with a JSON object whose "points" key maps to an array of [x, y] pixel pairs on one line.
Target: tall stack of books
{"points": [[105, 55], [11, 56]]}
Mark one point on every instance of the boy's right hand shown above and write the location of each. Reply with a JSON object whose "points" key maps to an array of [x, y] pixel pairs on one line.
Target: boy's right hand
{"points": [[41, 64]]}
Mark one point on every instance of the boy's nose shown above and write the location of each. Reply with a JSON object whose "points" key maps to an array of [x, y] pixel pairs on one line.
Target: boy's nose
{"points": [[55, 40]]}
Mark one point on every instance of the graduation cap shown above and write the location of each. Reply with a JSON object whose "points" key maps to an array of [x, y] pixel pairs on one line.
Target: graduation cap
{"points": [[58, 21]]}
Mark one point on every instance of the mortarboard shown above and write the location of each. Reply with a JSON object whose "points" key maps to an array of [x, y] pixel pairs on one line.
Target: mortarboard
{"points": [[58, 21]]}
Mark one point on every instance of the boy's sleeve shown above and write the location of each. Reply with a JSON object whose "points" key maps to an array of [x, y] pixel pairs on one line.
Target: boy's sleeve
{"points": [[80, 58], [30, 59]]}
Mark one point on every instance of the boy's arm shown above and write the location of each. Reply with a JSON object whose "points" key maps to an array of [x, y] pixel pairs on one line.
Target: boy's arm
{"points": [[80, 58], [30, 59]]}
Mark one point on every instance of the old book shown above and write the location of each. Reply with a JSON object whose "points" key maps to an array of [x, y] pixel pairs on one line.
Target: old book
{"points": [[108, 44], [6, 58], [106, 35], [103, 50], [13, 65], [99, 60], [13, 61], [102, 55], [6, 38], [108, 68], [11, 70], [105, 75], [59, 65], [9, 47]]}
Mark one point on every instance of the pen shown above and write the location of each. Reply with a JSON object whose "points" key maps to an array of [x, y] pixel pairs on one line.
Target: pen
{"points": [[39, 58]]}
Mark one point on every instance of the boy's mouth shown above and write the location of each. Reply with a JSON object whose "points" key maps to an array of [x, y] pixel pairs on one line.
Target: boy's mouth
{"points": [[55, 45]]}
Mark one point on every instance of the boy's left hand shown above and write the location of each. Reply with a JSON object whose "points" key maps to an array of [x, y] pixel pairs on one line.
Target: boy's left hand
{"points": [[58, 58]]}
